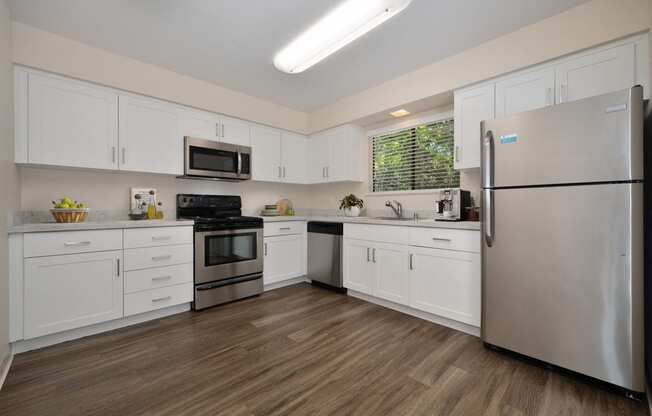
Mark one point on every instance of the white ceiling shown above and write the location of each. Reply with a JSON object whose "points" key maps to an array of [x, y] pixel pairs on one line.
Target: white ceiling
{"points": [[232, 42]]}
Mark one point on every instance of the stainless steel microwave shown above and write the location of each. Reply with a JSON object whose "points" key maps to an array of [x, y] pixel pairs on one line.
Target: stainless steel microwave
{"points": [[207, 159]]}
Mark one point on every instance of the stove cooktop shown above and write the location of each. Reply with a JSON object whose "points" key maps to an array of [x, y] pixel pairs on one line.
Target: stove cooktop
{"points": [[215, 212]]}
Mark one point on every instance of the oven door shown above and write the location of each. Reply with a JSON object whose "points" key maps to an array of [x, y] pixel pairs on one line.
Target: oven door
{"points": [[207, 158], [227, 253]]}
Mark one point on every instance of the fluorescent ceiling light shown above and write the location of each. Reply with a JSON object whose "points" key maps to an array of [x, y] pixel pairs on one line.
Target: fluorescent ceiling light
{"points": [[400, 113], [343, 25]]}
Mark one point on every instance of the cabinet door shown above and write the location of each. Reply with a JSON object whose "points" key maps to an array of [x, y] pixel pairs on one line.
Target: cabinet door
{"points": [[149, 136], [71, 291], [595, 74], [342, 152], [391, 272], [282, 258], [320, 150], [71, 124], [446, 283], [358, 266], [294, 155], [471, 107], [266, 154], [199, 124], [525, 92], [234, 131]]}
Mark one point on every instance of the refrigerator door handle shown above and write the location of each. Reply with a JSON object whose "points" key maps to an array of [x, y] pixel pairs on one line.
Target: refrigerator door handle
{"points": [[488, 212], [487, 159]]}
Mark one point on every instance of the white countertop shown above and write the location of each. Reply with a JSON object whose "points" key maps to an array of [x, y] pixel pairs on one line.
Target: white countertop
{"points": [[108, 225], [424, 223]]}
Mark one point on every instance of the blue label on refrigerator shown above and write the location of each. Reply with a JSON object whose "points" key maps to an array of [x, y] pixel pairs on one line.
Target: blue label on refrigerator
{"points": [[507, 139]]}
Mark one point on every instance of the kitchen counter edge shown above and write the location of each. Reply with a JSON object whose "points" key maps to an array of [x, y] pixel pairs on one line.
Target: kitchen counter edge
{"points": [[423, 223], [85, 226]]}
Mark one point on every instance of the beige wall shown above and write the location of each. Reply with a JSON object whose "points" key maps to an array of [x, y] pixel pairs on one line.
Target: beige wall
{"points": [[582, 27], [8, 173], [40, 49]]}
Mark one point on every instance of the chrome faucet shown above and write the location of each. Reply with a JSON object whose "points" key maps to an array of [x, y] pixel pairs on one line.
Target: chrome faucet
{"points": [[398, 210]]}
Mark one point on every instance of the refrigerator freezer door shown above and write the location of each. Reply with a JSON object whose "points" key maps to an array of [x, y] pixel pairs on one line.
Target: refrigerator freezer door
{"points": [[563, 281], [598, 139]]}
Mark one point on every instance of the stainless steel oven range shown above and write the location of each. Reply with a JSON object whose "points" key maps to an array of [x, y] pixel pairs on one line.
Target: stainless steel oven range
{"points": [[228, 248]]}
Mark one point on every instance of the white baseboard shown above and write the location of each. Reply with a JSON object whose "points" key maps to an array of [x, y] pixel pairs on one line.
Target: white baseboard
{"points": [[4, 367], [460, 326], [47, 340], [289, 282]]}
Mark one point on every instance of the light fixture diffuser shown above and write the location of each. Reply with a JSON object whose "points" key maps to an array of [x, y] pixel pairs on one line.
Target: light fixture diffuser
{"points": [[400, 113], [343, 25]]}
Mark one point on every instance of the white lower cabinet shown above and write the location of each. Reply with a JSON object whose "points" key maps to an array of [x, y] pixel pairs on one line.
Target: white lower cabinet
{"points": [[446, 283], [149, 300], [439, 281], [282, 258], [71, 291]]}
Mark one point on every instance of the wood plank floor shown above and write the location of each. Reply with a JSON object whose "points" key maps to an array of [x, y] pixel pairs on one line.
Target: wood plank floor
{"points": [[299, 350]]}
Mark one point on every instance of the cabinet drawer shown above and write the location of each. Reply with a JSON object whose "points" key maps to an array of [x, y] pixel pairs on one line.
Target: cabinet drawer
{"points": [[284, 228], [462, 240], [149, 300], [159, 236], [381, 233], [146, 279], [71, 242], [145, 258]]}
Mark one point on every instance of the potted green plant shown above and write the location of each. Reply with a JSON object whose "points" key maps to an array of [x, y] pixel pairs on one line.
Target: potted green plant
{"points": [[351, 205]]}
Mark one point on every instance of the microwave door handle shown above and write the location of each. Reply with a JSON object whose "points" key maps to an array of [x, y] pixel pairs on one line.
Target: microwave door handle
{"points": [[239, 167]]}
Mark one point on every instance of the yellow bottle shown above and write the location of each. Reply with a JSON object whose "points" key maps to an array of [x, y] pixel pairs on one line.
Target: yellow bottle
{"points": [[151, 212]]}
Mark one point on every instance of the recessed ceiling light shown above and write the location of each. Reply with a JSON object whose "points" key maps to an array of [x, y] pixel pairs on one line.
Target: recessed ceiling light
{"points": [[343, 25], [400, 113]]}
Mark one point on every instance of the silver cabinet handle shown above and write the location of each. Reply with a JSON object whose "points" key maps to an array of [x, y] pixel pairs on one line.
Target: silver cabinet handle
{"points": [[265, 249], [77, 243], [279, 172], [328, 171], [113, 154], [118, 268], [217, 129], [284, 171], [161, 278], [563, 93], [159, 258], [411, 263], [161, 237], [440, 239], [285, 229], [457, 153], [124, 155], [161, 299], [222, 130], [368, 254], [323, 172], [373, 255], [549, 100]]}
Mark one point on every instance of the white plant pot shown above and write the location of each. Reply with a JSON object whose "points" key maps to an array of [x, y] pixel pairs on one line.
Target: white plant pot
{"points": [[352, 212]]}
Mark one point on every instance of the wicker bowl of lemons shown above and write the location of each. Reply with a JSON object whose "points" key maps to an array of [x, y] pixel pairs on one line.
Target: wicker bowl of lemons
{"points": [[67, 210]]}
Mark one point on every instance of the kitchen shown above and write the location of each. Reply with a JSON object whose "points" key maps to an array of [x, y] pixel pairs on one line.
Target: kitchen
{"points": [[214, 294]]}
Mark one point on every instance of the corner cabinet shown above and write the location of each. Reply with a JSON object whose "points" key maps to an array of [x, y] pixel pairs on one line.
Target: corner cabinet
{"points": [[606, 69]]}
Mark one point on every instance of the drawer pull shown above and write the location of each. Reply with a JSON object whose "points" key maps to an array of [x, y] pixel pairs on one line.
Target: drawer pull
{"points": [[159, 258], [77, 243], [160, 279], [161, 238], [161, 299], [285, 229], [440, 239]]}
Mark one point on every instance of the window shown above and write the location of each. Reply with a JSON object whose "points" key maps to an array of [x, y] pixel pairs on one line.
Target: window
{"points": [[420, 157]]}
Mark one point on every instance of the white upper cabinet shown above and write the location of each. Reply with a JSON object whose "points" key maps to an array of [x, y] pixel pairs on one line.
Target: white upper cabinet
{"points": [[199, 124], [335, 155], [149, 136], [598, 73], [471, 107], [525, 92], [70, 123], [234, 131], [294, 157], [266, 154]]}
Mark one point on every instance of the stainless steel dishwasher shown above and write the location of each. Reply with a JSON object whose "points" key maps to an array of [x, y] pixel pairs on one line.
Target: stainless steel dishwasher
{"points": [[325, 254]]}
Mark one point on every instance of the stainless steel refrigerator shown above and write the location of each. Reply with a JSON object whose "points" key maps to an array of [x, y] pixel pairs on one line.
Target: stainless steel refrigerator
{"points": [[562, 259]]}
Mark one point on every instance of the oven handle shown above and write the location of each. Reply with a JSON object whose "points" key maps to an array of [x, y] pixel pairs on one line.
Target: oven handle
{"points": [[228, 282], [256, 230]]}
